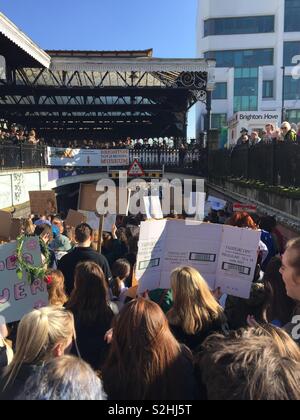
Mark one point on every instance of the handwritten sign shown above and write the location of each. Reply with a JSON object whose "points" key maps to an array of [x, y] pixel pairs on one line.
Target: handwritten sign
{"points": [[18, 297]]}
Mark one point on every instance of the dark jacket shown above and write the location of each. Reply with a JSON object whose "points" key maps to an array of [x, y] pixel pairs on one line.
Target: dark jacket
{"points": [[69, 262], [15, 388], [194, 341], [90, 340]]}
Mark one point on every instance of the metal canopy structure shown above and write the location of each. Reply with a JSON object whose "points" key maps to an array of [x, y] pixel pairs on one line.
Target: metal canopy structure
{"points": [[103, 94]]}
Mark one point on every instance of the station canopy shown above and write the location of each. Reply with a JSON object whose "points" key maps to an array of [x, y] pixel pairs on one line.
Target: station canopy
{"points": [[97, 94]]}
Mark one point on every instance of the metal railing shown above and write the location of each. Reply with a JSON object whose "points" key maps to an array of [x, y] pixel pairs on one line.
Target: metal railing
{"points": [[192, 161], [21, 156], [273, 164]]}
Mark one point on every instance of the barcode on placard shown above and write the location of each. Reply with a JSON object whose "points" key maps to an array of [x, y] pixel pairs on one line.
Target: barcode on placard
{"points": [[239, 268], [143, 265], [202, 257]]}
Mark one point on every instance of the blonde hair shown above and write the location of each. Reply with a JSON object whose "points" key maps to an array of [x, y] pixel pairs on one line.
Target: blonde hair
{"points": [[194, 305], [39, 332], [56, 288]]}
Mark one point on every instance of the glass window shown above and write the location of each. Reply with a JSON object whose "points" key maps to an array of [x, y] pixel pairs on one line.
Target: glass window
{"points": [[293, 116], [220, 91], [268, 89], [292, 16], [246, 89], [240, 25], [218, 121], [291, 49], [242, 58], [291, 88]]}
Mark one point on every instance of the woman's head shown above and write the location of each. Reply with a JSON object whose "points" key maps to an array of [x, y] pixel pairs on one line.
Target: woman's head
{"points": [[65, 379], [290, 269], [242, 220], [56, 288], [121, 270], [278, 306], [142, 350], [89, 298], [194, 305], [42, 335]]}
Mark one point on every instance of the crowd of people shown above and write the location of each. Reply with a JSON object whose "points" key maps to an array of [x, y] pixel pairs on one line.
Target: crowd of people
{"points": [[98, 339], [286, 133], [17, 136]]}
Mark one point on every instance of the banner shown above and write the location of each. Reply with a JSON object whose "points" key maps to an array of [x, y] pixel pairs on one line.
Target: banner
{"points": [[17, 298], [87, 157], [225, 256], [248, 208]]}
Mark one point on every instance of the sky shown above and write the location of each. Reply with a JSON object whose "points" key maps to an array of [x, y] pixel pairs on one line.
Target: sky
{"points": [[167, 26]]}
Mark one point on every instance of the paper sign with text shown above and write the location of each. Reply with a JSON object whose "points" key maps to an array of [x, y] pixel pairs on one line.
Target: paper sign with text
{"points": [[17, 298], [165, 245]]}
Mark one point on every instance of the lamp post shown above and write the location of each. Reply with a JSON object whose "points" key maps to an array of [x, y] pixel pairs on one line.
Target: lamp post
{"points": [[283, 95]]}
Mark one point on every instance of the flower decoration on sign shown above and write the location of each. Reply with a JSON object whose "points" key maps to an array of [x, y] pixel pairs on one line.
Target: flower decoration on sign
{"points": [[25, 266]]}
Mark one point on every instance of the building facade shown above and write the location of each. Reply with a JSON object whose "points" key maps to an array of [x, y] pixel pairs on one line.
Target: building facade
{"points": [[251, 41]]}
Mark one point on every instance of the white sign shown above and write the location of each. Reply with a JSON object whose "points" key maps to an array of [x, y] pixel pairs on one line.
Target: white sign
{"points": [[136, 169], [153, 208], [248, 208], [93, 220], [216, 203], [225, 256], [87, 157], [17, 298]]}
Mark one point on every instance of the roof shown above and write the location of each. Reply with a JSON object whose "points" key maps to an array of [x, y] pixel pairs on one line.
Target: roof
{"points": [[104, 53], [25, 50]]}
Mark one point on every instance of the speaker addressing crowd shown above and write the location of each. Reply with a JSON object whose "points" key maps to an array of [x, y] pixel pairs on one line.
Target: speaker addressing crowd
{"points": [[99, 338]]}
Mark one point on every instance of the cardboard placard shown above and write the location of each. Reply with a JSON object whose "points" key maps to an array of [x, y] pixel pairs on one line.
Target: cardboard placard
{"points": [[75, 218], [5, 224], [17, 297], [43, 203], [225, 256], [15, 229], [88, 197]]}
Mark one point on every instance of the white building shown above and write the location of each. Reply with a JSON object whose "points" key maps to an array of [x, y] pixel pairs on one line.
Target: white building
{"points": [[251, 42]]}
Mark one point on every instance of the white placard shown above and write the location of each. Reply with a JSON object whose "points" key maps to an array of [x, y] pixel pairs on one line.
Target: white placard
{"points": [[216, 203], [197, 205], [153, 208], [225, 256]]}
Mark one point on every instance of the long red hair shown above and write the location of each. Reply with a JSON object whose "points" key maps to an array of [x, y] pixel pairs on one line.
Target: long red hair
{"points": [[242, 220]]}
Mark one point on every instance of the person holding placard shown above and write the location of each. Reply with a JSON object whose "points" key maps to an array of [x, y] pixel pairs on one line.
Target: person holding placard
{"points": [[195, 313], [42, 335]]}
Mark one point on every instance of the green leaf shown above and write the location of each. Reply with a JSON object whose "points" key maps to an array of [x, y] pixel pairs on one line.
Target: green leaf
{"points": [[19, 274]]}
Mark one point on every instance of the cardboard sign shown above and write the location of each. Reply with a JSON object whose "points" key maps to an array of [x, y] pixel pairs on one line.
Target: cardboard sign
{"points": [[75, 218], [225, 256], [15, 229], [248, 208], [17, 298], [136, 169], [153, 208], [88, 197], [109, 221], [43, 202], [5, 224]]}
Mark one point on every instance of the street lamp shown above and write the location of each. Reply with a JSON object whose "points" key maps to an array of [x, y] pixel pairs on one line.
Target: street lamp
{"points": [[283, 95]]}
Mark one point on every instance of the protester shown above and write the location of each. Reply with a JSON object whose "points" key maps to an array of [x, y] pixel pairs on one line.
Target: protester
{"points": [[278, 308], [145, 361], [83, 253], [120, 272], [93, 313], [56, 288], [42, 335], [64, 379], [249, 366], [290, 271], [6, 353], [195, 313]]}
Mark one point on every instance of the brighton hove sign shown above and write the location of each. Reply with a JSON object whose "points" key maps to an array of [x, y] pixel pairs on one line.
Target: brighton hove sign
{"points": [[87, 157]]}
